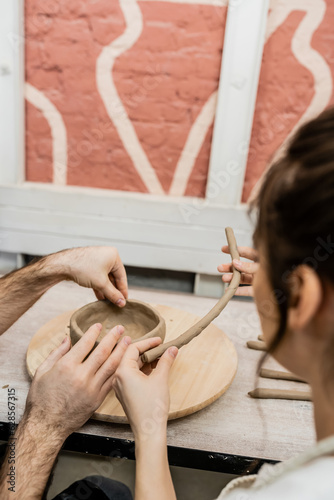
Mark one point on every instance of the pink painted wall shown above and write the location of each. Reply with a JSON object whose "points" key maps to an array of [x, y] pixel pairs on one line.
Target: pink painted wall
{"points": [[287, 87], [163, 81]]}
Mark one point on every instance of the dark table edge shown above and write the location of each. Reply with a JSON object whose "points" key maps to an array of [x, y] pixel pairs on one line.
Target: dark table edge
{"points": [[180, 457]]}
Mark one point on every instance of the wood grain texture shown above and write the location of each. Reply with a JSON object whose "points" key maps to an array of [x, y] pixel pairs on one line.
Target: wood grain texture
{"points": [[201, 373]]}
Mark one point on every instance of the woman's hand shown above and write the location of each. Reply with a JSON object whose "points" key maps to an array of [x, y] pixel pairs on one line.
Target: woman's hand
{"points": [[248, 269], [143, 393]]}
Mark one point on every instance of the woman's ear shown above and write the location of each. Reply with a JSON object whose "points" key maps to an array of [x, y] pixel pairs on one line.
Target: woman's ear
{"points": [[306, 296]]}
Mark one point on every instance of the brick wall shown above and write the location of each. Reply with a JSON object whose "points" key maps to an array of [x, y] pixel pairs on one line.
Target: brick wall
{"points": [[295, 81], [163, 82], [157, 88]]}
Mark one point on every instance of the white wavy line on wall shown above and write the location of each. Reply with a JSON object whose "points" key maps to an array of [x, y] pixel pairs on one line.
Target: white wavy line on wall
{"points": [[58, 131], [313, 61], [215, 3], [278, 13], [193, 146], [280, 9], [114, 106], [306, 56]]}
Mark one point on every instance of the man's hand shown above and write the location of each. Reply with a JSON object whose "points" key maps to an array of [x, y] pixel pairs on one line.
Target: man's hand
{"points": [[67, 388], [99, 268], [71, 384]]}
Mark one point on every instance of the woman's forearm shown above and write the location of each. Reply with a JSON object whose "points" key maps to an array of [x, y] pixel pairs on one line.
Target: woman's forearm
{"points": [[20, 289], [153, 479]]}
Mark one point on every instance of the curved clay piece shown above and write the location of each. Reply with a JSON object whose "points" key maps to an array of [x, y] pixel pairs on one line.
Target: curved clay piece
{"points": [[140, 320], [280, 394], [196, 329], [277, 374]]}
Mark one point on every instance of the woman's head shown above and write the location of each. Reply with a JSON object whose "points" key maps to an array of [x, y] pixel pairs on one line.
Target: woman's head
{"points": [[294, 235]]}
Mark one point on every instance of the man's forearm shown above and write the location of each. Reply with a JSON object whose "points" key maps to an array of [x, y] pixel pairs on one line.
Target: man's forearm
{"points": [[20, 289], [153, 479], [31, 455]]}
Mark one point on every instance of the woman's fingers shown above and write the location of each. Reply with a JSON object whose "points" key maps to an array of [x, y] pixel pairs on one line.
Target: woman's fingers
{"points": [[245, 267], [246, 252], [165, 362], [245, 291], [245, 279], [132, 355], [103, 350], [225, 268], [131, 359]]}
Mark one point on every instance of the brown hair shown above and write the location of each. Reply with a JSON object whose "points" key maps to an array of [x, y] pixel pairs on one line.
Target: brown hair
{"points": [[295, 205]]}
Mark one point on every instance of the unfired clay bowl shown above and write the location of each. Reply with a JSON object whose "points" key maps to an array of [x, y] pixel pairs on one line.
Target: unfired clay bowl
{"points": [[140, 320]]}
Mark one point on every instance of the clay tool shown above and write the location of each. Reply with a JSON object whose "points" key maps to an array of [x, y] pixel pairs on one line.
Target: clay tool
{"points": [[196, 329], [257, 345], [262, 393], [277, 374]]}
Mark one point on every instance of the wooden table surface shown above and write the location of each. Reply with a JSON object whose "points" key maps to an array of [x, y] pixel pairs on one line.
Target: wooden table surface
{"points": [[234, 427]]}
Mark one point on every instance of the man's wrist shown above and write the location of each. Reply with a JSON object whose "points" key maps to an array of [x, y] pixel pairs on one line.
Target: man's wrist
{"points": [[42, 432], [54, 268], [36, 446]]}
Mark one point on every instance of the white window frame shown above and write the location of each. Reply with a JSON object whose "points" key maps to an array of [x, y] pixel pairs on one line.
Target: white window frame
{"points": [[150, 231]]}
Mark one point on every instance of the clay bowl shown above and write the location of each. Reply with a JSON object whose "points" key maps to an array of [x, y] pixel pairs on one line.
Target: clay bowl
{"points": [[140, 320]]}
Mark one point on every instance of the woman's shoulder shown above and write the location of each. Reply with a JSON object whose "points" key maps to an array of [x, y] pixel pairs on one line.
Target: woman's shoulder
{"points": [[308, 476], [311, 481]]}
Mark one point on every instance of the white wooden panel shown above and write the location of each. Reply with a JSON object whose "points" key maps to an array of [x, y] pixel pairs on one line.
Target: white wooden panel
{"points": [[187, 210], [8, 262], [207, 285], [11, 91], [99, 202], [132, 253], [113, 228], [242, 54], [148, 231]]}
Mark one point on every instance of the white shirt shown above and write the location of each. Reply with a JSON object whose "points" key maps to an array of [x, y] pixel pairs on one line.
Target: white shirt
{"points": [[310, 476]]}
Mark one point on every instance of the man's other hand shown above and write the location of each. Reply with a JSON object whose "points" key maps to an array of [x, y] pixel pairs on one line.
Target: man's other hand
{"points": [[72, 383]]}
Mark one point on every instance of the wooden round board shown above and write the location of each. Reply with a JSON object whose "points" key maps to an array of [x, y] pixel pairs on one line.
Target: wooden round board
{"points": [[202, 371]]}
